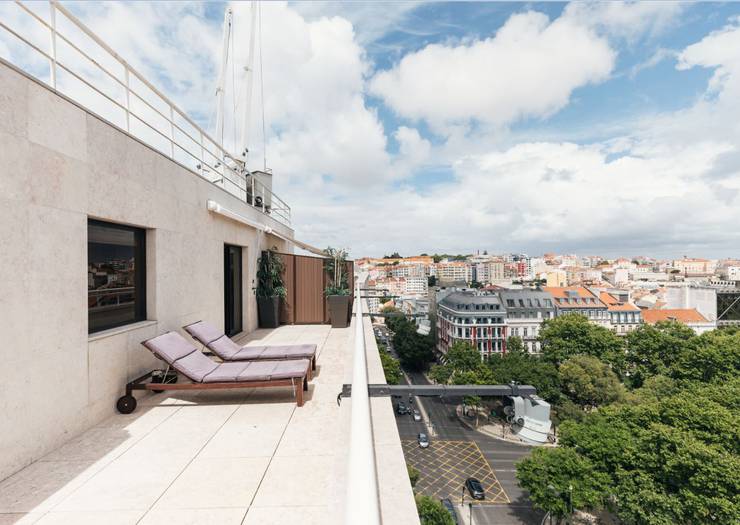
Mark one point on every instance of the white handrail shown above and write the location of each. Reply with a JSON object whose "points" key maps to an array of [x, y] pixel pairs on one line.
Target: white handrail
{"points": [[216, 171], [362, 503]]}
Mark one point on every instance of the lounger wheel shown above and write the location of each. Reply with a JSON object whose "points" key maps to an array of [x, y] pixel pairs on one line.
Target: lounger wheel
{"points": [[126, 404]]}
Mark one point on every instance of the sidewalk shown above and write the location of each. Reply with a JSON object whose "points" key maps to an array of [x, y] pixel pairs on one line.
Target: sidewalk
{"points": [[496, 431]]}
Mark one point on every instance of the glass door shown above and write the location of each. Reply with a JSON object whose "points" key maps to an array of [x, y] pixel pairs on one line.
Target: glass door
{"points": [[232, 289]]}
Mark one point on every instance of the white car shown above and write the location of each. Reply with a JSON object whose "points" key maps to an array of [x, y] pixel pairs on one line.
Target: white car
{"points": [[423, 440], [417, 415]]}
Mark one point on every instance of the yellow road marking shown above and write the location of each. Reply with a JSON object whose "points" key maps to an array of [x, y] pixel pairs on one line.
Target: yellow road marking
{"points": [[445, 465]]}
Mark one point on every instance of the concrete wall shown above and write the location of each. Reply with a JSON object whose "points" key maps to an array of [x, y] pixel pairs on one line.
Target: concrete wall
{"points": [[60, 165], [704, 299]]}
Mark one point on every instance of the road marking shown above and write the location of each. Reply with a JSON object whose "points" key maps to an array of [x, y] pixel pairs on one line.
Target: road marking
{"points": [[446, 464]]}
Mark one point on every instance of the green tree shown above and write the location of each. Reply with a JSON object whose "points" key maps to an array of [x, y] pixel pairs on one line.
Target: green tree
{"points": [[561, 480], [572, 334], [391, 368], [514, 344], [431, 511], [396, 317], [670, 460], [526, 369], [432, 280], [653, 350], [714, 355], [463, 366], [414, 474], [414, 350], [589, 382]]}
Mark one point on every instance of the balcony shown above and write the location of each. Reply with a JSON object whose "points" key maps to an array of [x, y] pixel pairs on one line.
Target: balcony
{"points": [[222, 456], [55, 48]]}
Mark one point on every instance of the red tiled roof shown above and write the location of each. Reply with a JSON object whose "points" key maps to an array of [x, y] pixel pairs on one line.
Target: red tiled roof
{"points": [[684, 315], [613, 304], [585, 298]]}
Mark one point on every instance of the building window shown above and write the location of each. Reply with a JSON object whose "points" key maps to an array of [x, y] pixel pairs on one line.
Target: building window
{"points": [[116, 275]]}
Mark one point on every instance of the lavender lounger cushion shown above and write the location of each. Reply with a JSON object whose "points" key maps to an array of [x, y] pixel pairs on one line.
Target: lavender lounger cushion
{"points": [[228, 350], [190, 362]]}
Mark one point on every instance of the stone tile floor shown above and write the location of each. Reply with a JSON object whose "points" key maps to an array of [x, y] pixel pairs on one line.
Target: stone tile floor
{"points": [[221, 457]]}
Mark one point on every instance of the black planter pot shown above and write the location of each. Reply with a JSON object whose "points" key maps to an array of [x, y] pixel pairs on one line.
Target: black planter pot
{"points": [[339, 310], [268, 309]]}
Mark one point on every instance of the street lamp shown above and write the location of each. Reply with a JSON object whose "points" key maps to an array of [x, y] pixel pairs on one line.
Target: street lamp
{"points": [[559, 495]]}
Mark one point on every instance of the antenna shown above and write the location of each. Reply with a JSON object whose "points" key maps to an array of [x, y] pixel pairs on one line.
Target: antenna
{"points": [[249, 81], [228, 15]]}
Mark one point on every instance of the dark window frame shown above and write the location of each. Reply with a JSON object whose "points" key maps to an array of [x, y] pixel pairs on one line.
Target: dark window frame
{"points": [[139, 276]]}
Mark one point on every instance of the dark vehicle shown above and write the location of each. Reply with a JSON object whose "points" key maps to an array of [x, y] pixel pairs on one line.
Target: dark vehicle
{"points": [[475, 488], [402, 409], [451, 509], [423, 440]]}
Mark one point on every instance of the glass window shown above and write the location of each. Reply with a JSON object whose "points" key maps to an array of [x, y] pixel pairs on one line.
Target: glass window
{"points": [[116, 275], [510, 302]]}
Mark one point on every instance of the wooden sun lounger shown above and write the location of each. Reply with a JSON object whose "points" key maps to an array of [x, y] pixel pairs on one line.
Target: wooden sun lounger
{"points": [[206, 374], [226, 349]]}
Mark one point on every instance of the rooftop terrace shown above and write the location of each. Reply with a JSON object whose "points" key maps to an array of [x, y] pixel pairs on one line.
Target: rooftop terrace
{"points": [[221, 457]]}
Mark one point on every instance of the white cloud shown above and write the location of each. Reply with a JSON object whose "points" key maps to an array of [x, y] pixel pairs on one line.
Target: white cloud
{"points": [[371, 20], [413, 149], [528, 69], [675, 187], [629, 20]]}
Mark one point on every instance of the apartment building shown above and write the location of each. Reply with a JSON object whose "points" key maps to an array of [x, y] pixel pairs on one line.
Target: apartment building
{"points": [[578, 299], [686, 295], [121, 239], [476, 318], [556, 278], [453, 272], [487, 272], [688, 316], [525, 311], [731, 273], [694, 267], [623, 315]]}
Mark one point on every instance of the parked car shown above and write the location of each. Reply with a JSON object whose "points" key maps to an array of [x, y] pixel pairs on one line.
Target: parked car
{"points": [[475, 488], [423, 440], [417, 415], [402, 409], [451, 509]]}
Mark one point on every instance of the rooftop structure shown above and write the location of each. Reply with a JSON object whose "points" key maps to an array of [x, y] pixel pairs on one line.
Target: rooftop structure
{"points": [[113, 239], [688, 316], [578, 299]]}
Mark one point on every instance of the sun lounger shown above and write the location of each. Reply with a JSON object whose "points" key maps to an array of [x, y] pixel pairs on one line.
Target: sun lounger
{"points": [[218, 343], [206, 374]]}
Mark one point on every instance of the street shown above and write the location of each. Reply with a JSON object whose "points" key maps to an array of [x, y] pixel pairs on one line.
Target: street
{"points": [[501, 456]]}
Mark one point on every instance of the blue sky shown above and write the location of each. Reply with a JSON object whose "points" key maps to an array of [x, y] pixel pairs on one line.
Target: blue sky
{"points": [[608, 128]]}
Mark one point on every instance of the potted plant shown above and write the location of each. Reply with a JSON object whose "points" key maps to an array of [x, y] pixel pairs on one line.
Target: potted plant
{"points": [[270, 288], [337, 291]]}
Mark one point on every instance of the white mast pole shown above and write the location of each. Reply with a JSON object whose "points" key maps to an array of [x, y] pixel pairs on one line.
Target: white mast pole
{"points": [[222, 77], [249, 79]]}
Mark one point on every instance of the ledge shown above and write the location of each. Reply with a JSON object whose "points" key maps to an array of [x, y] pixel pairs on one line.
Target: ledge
{"points": [[120, 330]]}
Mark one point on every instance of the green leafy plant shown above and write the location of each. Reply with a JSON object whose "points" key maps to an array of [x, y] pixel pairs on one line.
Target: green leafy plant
{"points": [[414, 474], [335, 265], [270, 275]]}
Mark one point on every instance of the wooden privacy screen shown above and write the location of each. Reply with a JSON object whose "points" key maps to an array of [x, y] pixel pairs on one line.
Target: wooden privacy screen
{"points": [[305, 281]]}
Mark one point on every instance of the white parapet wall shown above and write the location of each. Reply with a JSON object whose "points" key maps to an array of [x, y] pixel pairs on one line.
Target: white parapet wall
{"points": [[59, 166]]}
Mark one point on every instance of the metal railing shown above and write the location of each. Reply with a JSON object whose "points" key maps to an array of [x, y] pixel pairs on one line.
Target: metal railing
{"points": [[128, 100], [362, 503]]}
